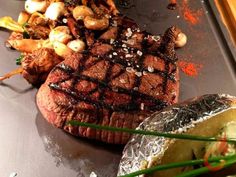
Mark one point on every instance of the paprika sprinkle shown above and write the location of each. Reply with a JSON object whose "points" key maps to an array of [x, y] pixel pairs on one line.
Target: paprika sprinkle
{"points": [[193, 17], [189, 68]]}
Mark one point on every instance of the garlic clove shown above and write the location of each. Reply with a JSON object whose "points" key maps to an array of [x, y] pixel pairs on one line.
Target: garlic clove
{"points": [[181, 40], [76, 45]]}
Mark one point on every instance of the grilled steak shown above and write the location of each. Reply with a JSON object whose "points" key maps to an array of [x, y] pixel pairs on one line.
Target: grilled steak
{"points": [[122, 78]]}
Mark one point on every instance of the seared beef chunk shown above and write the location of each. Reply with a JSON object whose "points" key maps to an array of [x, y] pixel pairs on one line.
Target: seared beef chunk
{"points": [[120, 80]]}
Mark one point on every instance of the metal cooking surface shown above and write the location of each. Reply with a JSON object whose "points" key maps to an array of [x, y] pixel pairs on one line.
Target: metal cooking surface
{"points": [[33, 148]]}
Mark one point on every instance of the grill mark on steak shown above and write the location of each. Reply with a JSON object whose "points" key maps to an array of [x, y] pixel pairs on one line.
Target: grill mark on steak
{"points": [[100, 101]]}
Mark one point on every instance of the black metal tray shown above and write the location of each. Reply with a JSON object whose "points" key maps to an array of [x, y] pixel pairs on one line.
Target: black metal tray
{"points": [[33, 148]]}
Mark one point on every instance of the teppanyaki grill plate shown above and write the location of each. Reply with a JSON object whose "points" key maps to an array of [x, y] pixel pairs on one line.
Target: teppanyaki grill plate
{"points": [[32, 147]]}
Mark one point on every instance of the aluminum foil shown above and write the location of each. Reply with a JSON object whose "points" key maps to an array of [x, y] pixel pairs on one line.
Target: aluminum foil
{"points": [[142, 151]]}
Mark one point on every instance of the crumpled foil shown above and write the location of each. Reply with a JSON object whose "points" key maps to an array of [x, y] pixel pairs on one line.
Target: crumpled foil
{"points": [[142, 151]]}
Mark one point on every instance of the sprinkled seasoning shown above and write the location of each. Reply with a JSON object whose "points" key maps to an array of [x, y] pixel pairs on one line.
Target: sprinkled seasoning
{"points": [[129, 32], [128, 55], [139, 53], [114, 53], [191, 16], [112, 41], [139, 74], [142, 106], [150, 69], [190, 68], [110, 56]]}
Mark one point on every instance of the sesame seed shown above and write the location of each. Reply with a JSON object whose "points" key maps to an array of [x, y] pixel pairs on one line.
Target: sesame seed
{"points": [[110, 56], [129, 64], [138, 30], [150, 69], [135, 88], [114, 53], [178, 16], [124, 45]]}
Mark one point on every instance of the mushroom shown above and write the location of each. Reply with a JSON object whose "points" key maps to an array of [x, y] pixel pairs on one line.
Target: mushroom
{"points": [[23, 17], [32, 6], [76, 45], [80, 12], [60, 34], [29, 45], [55, 10], [62, 49], [96, 23]]}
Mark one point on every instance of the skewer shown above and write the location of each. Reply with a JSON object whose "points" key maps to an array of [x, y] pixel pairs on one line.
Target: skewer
{"points": [[12, 73]]}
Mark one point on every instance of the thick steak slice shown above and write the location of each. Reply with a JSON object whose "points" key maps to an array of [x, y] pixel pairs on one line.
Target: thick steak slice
{"points": [[123, 77]]}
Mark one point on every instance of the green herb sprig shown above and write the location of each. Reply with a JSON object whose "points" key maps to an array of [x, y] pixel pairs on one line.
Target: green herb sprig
{"points": [[19, 59], [152, 133], [216, 160]]}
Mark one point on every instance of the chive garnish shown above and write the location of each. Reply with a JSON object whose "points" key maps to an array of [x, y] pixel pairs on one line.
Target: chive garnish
{"points": [[19, 59], [152, 133], [204, 170], [179, 164]]}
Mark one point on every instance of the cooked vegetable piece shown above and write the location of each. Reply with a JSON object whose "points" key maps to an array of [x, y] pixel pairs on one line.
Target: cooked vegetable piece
{"points": [[32, 6], [9, 23]]}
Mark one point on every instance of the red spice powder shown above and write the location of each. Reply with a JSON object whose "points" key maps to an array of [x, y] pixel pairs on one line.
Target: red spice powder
{"points": [[191, 16], [190, 68]]}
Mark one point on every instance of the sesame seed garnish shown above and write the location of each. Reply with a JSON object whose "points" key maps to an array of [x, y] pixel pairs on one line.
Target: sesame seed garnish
{"points": [[135, 88], [114, 53], [110, 56]]}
